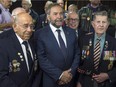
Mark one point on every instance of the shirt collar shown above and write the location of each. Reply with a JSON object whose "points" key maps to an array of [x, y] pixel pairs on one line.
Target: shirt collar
{"points": [[102, 37], [76, 31], [54, 28], [20, 40]]}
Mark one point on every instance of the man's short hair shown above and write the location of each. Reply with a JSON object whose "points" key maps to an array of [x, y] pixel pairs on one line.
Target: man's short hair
{"points": [[101, 13], [52, 5]]}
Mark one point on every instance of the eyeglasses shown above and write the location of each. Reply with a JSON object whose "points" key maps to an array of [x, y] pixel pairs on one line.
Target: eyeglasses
{"points": [[26, 26], [71, 19]]}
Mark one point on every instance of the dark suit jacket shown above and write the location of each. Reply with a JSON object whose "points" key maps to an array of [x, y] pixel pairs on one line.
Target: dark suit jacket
{"points": [[36, 19], [111, 31], [6, 34], [51, 59], [43, 20], [13, 68], [87, 64]]}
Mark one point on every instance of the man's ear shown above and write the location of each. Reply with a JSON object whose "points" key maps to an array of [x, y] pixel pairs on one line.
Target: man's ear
{"points": [[15, 27], [48, 17], [30, 5], [92, 23]]}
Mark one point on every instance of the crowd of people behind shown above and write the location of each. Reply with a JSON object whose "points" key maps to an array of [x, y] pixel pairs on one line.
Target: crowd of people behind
{"points": [[73, 48]]}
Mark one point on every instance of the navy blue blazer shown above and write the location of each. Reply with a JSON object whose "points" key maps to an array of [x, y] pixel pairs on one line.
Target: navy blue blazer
{"points": [[87, 63], [51, 59], [13, 68], [6, 34]]}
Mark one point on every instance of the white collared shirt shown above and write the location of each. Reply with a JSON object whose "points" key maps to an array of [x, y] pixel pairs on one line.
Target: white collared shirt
{"points": [[56, 34], [24, 51]]}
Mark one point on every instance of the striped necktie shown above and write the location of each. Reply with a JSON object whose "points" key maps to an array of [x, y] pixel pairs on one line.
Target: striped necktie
{"points": [[97, 54]]}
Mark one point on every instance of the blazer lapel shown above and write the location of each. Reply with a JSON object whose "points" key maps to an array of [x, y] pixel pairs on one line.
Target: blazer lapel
{"points": [[52, 38], [92, 49], [17, 46], [67, 36], [34, 67]]}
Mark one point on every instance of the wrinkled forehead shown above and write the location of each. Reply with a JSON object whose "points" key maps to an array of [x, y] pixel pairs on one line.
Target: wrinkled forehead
{"points": [[56, 8], [73, 15], [100, 18], [56, 11], [24, 17]]}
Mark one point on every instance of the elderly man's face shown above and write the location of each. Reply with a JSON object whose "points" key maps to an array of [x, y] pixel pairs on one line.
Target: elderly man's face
{"points": [[73, 20], [100, 24], [24, 26]]}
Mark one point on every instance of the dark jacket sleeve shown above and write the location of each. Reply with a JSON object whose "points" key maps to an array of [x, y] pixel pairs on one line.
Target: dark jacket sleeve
{"points": [[5, 80]]}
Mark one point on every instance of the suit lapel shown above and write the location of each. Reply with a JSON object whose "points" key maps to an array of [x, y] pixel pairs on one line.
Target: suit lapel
{"points": [[34, 60], [92, 49], [32, 49], [107, 43], [17, 46], [67, 36], [52, 38]]}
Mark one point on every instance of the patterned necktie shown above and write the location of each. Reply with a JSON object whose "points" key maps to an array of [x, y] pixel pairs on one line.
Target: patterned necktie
{"points": [[97, 54], [62, 44], [29, 57]]}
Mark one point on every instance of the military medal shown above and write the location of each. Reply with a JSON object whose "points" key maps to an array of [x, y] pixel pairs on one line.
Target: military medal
{"points": [[112, 58], [19, 53], [88, 18], [16, 65], [83, 54], [114, 54], [106, 55], [106, 45], [20, 56], [22, 59], [90, 42], [110, 53], [110, 65], [87, 52]]}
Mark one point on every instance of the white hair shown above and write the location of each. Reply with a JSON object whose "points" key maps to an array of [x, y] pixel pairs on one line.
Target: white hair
{"points": [[16, 11]]}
